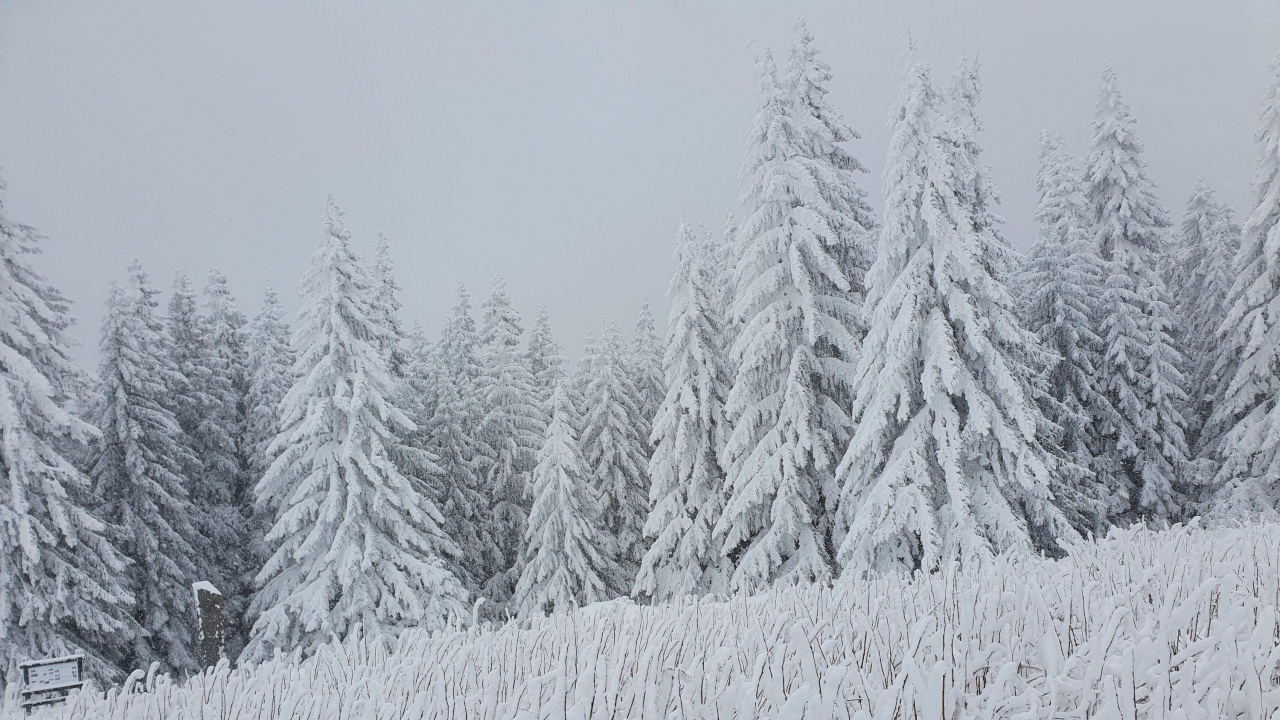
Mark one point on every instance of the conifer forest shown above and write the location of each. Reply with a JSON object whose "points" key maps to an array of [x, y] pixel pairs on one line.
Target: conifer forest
{"points": [[870, 457]]}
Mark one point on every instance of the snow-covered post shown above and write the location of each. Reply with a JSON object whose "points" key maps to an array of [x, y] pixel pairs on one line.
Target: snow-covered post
{"points": [[213, 628]]}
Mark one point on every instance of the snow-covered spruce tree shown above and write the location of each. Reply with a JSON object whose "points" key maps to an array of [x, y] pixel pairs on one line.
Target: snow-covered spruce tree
{"points": [[687, 490], [564, 564], [797, 311], [616, 455], [513, 429], [645, 358], [227, 346], [138, 472], [1202, 272], [545, 357], [387, 306], [1140, 369], [719, 261], [453, 437], [270, 372], [822, 132], [411, 394], [419, 396], [203, 399], [1243, 433], [1072, 482], [60, 588], [1061, 284], [945, 464], [228, 337], [355, 545], [500, 323], [646, 362]]}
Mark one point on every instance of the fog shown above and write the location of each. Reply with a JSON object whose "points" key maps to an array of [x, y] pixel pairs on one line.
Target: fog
{"points": [[556, 144]]}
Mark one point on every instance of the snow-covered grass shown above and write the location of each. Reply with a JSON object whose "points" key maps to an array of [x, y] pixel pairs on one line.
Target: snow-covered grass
{"points": [[1143, 624]]}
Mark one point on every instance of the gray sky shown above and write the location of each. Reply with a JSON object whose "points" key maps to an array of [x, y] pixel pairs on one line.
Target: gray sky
{"points": [[553, 143]]}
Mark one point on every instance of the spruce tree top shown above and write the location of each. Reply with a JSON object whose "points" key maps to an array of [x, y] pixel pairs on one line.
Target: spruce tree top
{"points": [[500, 326], [1130, 217]]}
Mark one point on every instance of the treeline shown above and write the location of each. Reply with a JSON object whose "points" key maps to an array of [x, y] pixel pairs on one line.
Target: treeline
{"points": [[841, 392]]}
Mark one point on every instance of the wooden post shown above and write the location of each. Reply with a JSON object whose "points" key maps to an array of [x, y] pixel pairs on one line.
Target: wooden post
{"points": [[212, 624]]}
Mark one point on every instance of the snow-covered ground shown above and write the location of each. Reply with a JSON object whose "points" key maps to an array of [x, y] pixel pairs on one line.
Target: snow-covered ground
{"points": [[1144, 624]]}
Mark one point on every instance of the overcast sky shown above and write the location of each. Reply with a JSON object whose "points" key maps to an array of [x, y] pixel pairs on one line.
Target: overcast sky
{"points": [[553, 143]]}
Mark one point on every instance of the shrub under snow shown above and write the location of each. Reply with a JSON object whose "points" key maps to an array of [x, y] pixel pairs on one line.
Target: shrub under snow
{"points": [[1143, 624]]}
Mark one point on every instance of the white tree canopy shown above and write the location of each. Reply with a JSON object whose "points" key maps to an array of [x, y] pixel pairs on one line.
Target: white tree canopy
{"points": [[1061, 286], [60, 588], [1141, 367], [565, 565], [355, 544], [1245, 425], [139, 470], [687, 492], [805, 242], [945, 463]]}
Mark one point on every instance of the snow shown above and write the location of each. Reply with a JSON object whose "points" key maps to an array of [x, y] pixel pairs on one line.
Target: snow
{"points": [[59, 572], [686, 491], [1140, 370], [1142, 624], [1245, 422], [946, 461], [205, 586], [872, 432], [356, 547], [803, 247], [1060, 286]]}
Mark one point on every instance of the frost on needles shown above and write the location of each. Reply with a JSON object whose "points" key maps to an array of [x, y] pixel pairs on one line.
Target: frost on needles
{"points": [[804, 244], [355, 544], [945, 463], [60, 588], [686, 493], [139, 468], [565, 566], [1141, 367], [1061, 286], [1244, 429]]}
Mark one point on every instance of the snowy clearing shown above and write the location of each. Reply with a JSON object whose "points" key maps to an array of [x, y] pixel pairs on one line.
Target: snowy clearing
{"points": [[1144, 624]]}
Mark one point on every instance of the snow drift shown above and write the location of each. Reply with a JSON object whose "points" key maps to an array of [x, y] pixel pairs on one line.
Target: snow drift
{"points": [[1143, 624]]}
